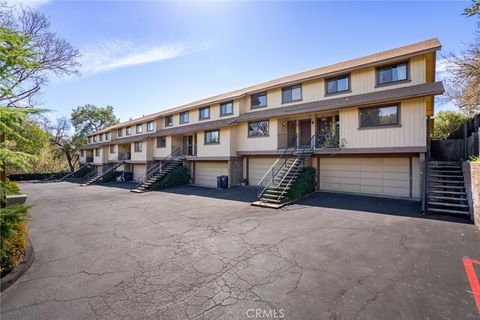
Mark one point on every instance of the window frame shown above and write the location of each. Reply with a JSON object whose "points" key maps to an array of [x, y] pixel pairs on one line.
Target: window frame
{"points": [[259, 106], [82, 153], [153, 126], [100, 137], [258, 136], [128, 131], [94, 139], [168, 124], [137, 126], [379, 68], [112, 148], [200, 118], [120, 132], [164, 144], [135, 144], [181, 121], [291, 88], [349, 83], [398, 124], [97, 152], [205, 137], [107, 136], [221, 109]]}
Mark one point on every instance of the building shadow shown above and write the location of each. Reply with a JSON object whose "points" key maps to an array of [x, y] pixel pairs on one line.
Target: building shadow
{"points": [[242, 194], [361, 203]]}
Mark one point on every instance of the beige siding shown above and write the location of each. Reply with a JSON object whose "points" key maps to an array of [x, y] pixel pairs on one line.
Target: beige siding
{"points": [[162, 152], [257, 168], [206, 172], [221, 149], [412, 131], [246, 143], [140, 156], [378, 176], [112, 156], [138, 172]]}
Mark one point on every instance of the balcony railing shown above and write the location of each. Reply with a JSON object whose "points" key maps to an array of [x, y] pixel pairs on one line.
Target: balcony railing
{"points": [[321, 140], [124, 156], [89, 159]]}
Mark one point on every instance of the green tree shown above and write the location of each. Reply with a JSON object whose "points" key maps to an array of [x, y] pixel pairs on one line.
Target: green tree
{"points": [[447, 122], [90, 118], [473, 10]]}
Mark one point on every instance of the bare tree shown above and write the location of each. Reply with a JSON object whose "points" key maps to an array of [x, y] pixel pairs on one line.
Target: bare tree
{"points": [[53, 55]]}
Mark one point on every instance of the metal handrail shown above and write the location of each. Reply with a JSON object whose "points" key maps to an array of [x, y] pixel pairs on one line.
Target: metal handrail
{"points": [[293, 164], [73, 172], [272, 168], [159, 165], [90, 175]]}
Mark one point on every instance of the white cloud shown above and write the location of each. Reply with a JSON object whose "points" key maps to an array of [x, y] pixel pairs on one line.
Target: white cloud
{"points": [[441, 68], [110, 55]]}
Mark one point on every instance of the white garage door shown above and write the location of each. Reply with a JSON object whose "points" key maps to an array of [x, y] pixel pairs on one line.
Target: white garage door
{"points": [[380, 176], [138, 172], [206, 172], [257, 167]]}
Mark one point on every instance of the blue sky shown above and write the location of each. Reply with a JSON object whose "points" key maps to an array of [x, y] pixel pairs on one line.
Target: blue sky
{"points": [[142, 57]]}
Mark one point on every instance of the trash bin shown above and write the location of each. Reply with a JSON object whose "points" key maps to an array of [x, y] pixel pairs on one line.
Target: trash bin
{"points": [[127, 176], [222, 182]]}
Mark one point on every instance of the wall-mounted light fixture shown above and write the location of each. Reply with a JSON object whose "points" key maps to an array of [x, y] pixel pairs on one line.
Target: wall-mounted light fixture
{"points": [[284, 123]]}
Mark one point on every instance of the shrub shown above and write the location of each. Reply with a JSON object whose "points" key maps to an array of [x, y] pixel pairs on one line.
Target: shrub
{"points": [[112, 176], [176, 177], [304, 184], [13, 236], [9, 187]]}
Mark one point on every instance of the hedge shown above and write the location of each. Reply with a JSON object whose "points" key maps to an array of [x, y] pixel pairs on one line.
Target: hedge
{"points": [[304, 185], [111, 176], [176, 177]]}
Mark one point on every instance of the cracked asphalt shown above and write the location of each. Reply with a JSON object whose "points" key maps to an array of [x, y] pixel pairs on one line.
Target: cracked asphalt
{"points": [[197, 253]]}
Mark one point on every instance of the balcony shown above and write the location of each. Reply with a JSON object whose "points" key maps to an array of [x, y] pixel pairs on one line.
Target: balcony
{"points": [[89, 159], [124, 156], [322, 140]]}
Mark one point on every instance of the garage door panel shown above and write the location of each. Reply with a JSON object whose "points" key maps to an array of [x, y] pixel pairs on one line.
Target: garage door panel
{"points": [[138, 172], [258, 167], [380, 176], [206, 173]]}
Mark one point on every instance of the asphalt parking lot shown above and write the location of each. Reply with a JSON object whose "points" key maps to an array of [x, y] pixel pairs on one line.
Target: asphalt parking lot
{"points": [[197, 253]]}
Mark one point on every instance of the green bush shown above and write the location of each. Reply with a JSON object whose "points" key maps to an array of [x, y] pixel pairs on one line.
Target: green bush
{"points": [[303, 186], [112, 176], [176, 177], [9, 187], [13, 236]]}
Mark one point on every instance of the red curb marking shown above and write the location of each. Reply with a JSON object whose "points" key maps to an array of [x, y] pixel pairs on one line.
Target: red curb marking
{"points": [[472, 277]]}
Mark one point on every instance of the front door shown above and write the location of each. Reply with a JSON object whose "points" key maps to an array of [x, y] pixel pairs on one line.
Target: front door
{"points": [[305, 132], [188, 145], [291, 133]]}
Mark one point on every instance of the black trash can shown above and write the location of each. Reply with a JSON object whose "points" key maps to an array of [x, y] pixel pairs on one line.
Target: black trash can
{"points": [[222, 182], [127, 176]]}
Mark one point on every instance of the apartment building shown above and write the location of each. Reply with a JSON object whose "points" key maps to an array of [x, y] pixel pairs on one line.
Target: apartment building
{"points": [[365, 121]]}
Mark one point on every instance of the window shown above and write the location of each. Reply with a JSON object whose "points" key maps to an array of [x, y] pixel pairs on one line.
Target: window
{"points": [[94, 138], [379, 116], [97, 152], [82, 153], [112, 149], [339, 84], [393, 73], [204, 113], [128, 131], [137, 147], [168, 121], [226, 108], [107, 136], [89, 139], [212, 137], [184, 117], [138, 128], [120, 132], [161, 142], [258, 129], [291, 94], [258, 100], [100, 137], [150, 126]]}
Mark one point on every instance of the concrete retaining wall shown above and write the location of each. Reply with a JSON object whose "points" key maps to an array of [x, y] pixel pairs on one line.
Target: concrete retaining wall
{"points": [[471, 173]]}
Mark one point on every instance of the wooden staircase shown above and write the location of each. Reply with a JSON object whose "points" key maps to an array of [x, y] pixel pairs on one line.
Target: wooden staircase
{"points": [[281, 176], [72, 173], [446, 189], [95, 175], [156, 173]]}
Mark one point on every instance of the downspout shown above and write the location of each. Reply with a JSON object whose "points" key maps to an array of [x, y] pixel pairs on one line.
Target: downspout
{"points": [[425, 168]]}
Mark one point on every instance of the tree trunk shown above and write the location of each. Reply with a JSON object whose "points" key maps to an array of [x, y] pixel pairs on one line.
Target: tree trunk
{"points": [[71, 165]]}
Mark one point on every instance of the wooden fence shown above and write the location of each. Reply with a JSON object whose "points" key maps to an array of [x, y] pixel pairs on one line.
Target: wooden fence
{"points": [[460, 145]]}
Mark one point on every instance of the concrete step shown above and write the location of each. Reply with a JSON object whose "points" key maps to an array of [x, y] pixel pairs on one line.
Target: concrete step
{"points": [[270, 200], [447, 192], [449, 211], [447, 176], [447, 198], [447, 181], [444, 204], [445, 186]]}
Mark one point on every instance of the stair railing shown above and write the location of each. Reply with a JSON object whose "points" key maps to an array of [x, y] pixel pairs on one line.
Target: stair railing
{"points": [[301, 154], [271, 174], [176, 154], [73, 172], [91, 174]]}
